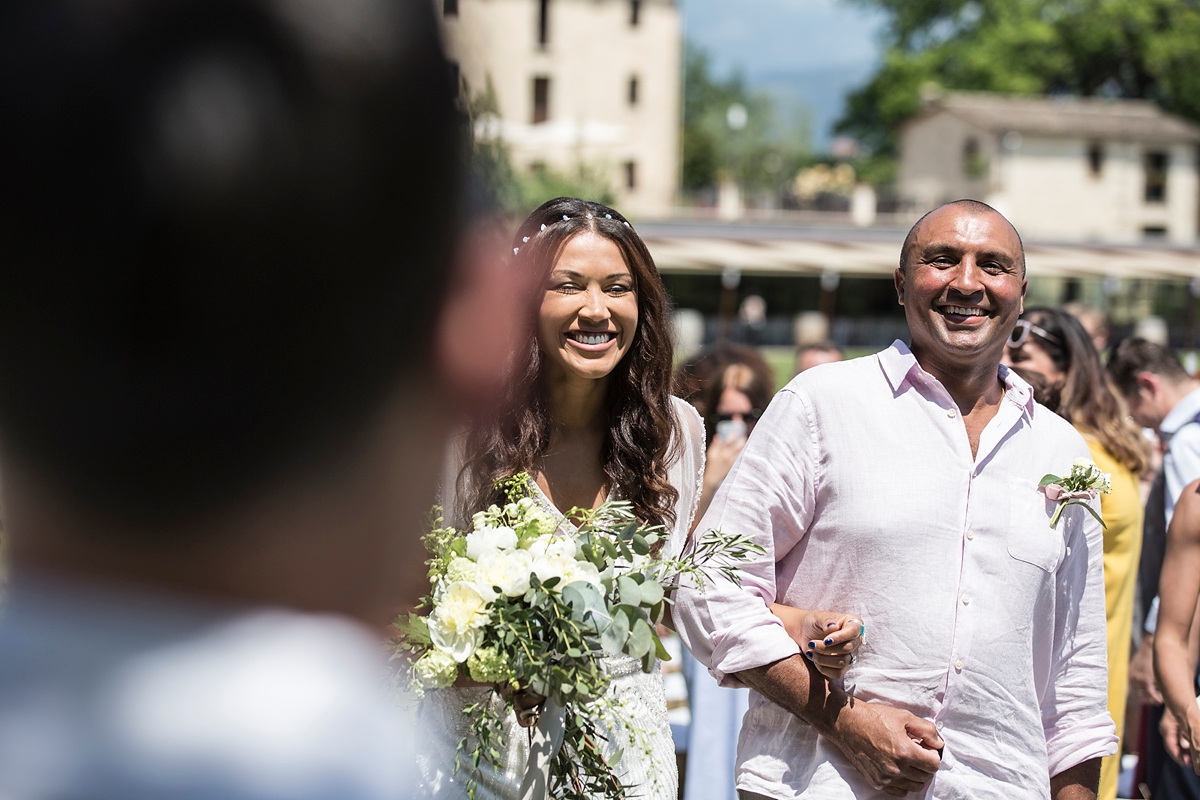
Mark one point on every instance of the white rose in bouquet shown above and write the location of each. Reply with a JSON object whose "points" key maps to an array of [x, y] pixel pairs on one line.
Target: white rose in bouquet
{"points": [[489, 540], [508, 571], [455, 625], [537, 546]]}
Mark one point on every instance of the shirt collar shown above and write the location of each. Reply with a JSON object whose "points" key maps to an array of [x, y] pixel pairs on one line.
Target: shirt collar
{"points": [[1184, 412], [898, 364]]}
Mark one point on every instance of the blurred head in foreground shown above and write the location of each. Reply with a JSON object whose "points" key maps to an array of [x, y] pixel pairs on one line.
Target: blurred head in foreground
{"points": [[226, 336], [812, 355], [237, 320]]}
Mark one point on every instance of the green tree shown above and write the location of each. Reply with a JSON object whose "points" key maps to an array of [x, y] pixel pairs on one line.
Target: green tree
{"points": [[1120, 48], [762, 153]]}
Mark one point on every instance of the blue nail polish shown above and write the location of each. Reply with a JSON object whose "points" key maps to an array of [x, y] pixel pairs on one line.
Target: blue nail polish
{"points": [[830, 625], [811, 645], [828, 642], [809, 655]]}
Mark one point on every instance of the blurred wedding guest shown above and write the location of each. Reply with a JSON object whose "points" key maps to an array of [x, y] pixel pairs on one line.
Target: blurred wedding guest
{"points": [[811, 355], [1052, 342], [1163, 397], [1093, 321], [735, 401], [235, 330], [694, 377]]}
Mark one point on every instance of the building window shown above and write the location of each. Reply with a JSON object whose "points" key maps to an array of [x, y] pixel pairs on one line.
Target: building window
{"points": [[1096, 159], [630, 174], [635, 12], [541, 99], [974, 164], [543, 22], [633, 90], [1156, 176], [1154, 233], [449, 8]]}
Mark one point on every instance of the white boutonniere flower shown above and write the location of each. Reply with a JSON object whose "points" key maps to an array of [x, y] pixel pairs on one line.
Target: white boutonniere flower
{"points": [[1085, 482]]}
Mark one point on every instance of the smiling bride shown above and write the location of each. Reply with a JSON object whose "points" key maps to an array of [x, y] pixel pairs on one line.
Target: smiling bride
{"points": [[590, 417]]}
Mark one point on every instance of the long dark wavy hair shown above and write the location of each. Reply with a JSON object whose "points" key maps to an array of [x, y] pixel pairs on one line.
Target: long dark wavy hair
{"points": [[642, 434], [1087, 397]]}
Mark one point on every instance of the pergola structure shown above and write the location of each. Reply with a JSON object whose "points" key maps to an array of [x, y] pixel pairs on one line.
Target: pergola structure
{"points": [[762, 249]]}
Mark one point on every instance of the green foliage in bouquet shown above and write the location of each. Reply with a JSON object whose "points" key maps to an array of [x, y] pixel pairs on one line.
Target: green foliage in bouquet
{"points": [[533, 606]]}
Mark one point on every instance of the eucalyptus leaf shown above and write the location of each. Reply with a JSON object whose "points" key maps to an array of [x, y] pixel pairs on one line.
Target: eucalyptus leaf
{"points": [[629, 590], [641, 639], [640, 545], [660, 650], [1049, 479], [652, 593], [613, 637]]}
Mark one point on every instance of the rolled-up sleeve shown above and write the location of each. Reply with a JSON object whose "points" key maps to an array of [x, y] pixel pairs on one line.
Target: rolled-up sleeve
{"points": [[1075, 704], [769, 497]]}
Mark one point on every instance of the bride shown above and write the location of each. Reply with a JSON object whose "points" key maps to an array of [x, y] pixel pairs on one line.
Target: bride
{"points": [[590, 417]]}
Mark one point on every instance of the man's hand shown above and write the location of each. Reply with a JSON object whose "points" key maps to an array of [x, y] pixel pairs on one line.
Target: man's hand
{"points": [[1143, 688], [896, 751]]}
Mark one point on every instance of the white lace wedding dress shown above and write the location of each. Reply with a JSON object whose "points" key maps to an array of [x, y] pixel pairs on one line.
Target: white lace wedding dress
{"points": [[647, 763]]}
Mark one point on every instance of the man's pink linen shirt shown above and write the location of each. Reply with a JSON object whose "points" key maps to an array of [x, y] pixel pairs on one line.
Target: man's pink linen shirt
{"points": [[860, 484]]}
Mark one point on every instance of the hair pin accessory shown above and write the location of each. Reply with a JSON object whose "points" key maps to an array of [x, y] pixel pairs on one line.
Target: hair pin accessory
{"points": [[565, 218], [525, 239], [515, 249], [608, 216], [543, 226]]}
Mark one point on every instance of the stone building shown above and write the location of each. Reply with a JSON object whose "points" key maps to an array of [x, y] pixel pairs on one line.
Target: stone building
{"points": [[593, 82], [1061, 168]]}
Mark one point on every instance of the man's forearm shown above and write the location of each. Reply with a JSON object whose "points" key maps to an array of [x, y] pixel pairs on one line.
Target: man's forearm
{"points": [[795, 684], [1080, 782]]}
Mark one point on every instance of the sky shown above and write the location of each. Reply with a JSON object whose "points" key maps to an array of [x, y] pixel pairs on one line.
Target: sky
{"points": [[806, 53]]}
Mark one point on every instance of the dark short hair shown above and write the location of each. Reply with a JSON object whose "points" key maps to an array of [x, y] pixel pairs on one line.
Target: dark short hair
{"points": [[973, 207], [1136, 355], [226, 227]]}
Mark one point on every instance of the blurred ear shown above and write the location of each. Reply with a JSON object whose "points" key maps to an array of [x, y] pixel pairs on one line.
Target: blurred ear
{"points": [[486, 317], [1149, 385], [898, 276]]}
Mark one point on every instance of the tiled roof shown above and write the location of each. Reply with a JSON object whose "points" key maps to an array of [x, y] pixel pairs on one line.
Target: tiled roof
{"points": [[1087, 117]]}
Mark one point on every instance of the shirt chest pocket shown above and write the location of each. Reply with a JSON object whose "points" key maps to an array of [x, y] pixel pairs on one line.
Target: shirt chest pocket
{"points": [[1029, 536]]}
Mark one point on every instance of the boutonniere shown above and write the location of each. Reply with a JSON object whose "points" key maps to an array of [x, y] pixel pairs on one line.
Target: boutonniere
{"points": [[1077, 489]]}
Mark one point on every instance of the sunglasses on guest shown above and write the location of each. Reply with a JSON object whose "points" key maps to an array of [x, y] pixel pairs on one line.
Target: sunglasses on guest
{"points": [[750, 417], [1020, 334]]}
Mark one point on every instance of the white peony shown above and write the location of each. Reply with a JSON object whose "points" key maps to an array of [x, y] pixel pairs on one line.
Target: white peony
{"points": [[562, 546], [551, 566], [1083, 462], [538, 545], [587, 571], [455, 624], [508, 571], [489, 540]]}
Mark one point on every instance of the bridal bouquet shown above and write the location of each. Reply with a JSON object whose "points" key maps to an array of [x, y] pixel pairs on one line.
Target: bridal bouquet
{"points": [[519, 605]]}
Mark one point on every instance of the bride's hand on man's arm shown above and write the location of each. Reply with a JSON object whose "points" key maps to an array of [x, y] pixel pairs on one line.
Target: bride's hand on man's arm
{"points": [[827, 638]]}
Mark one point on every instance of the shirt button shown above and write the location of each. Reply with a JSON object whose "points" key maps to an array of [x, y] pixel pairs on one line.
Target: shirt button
{"points": [[970, 535], [951, 413], [958, 665], [966, 598], [938, 725]]}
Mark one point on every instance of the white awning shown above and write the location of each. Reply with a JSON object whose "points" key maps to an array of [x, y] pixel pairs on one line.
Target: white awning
{"points": [[811, 257]]}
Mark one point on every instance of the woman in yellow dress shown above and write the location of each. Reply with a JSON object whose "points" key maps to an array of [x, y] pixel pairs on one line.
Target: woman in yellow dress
{"points": [[1053, 343]]}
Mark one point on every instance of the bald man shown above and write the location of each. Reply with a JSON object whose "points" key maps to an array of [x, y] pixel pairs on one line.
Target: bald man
{"points": [[903, 488]]}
